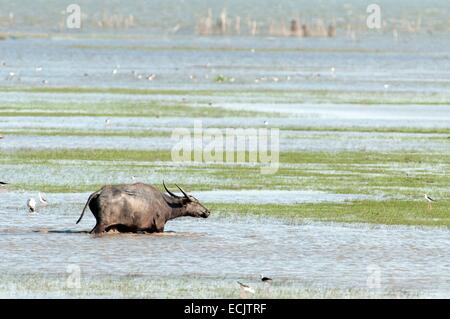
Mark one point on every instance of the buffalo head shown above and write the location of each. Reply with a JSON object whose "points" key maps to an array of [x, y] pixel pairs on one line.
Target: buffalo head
{"points": [[190, 204]]}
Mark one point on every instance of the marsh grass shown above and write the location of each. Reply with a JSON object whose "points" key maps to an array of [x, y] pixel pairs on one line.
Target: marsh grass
{"points": [[363, 211], [104, 132], [398, 179], [142, 286], [118, 109], [361, 129], [403, 176], [330, 158], [262, 94]]}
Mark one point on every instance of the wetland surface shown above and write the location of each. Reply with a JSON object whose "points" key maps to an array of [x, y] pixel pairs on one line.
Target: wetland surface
{"points": [[364, 134]]}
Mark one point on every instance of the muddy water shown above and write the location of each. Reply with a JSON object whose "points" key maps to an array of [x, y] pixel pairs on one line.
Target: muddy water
{"points": [[327, 255]]}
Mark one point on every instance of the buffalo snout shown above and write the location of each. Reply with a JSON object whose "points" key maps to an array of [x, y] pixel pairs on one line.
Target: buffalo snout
{"points": [[205, 214]]}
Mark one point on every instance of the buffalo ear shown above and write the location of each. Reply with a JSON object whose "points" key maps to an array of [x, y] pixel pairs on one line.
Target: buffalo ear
{"points": [[185, 200]]}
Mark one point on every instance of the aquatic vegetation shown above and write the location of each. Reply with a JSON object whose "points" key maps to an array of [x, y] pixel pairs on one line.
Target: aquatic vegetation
{"points": [[388, 212], [87, 132], [350, 158], [369, 129], [221, 79], [142, 286], [118, 109], [398, 179], [337, 202], [278, 95]]}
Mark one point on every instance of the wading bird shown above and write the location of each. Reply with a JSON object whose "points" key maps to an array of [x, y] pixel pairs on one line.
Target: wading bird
{"points": [[43, 199], [31, 203], [266, 279], [246, 288], [429, 200]]}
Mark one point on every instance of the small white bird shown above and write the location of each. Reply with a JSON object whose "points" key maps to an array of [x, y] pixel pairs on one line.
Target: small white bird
{"points": [[265, 279], [11, 76], [151, 77], [175, 28], [43, 199], [114, 71], [266, 122], [246, 288], [31, 203], [107, 122]]}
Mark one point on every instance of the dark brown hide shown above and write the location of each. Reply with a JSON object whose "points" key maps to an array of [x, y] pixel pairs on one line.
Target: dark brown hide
{"points": [[139, 207]]}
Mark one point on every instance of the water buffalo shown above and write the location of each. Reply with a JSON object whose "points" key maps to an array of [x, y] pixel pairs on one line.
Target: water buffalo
{"points": [[139, 207]]}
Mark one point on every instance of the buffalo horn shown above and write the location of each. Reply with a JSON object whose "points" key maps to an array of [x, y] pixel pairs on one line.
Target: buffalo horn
{"points": [[170, 193], [184, 193]]}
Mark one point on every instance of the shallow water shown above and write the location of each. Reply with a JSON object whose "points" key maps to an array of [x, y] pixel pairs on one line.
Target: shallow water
{"points": [[275, 196], [328, 255], [312, 82], [305, 141], [417, 63], [17, 200]]}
